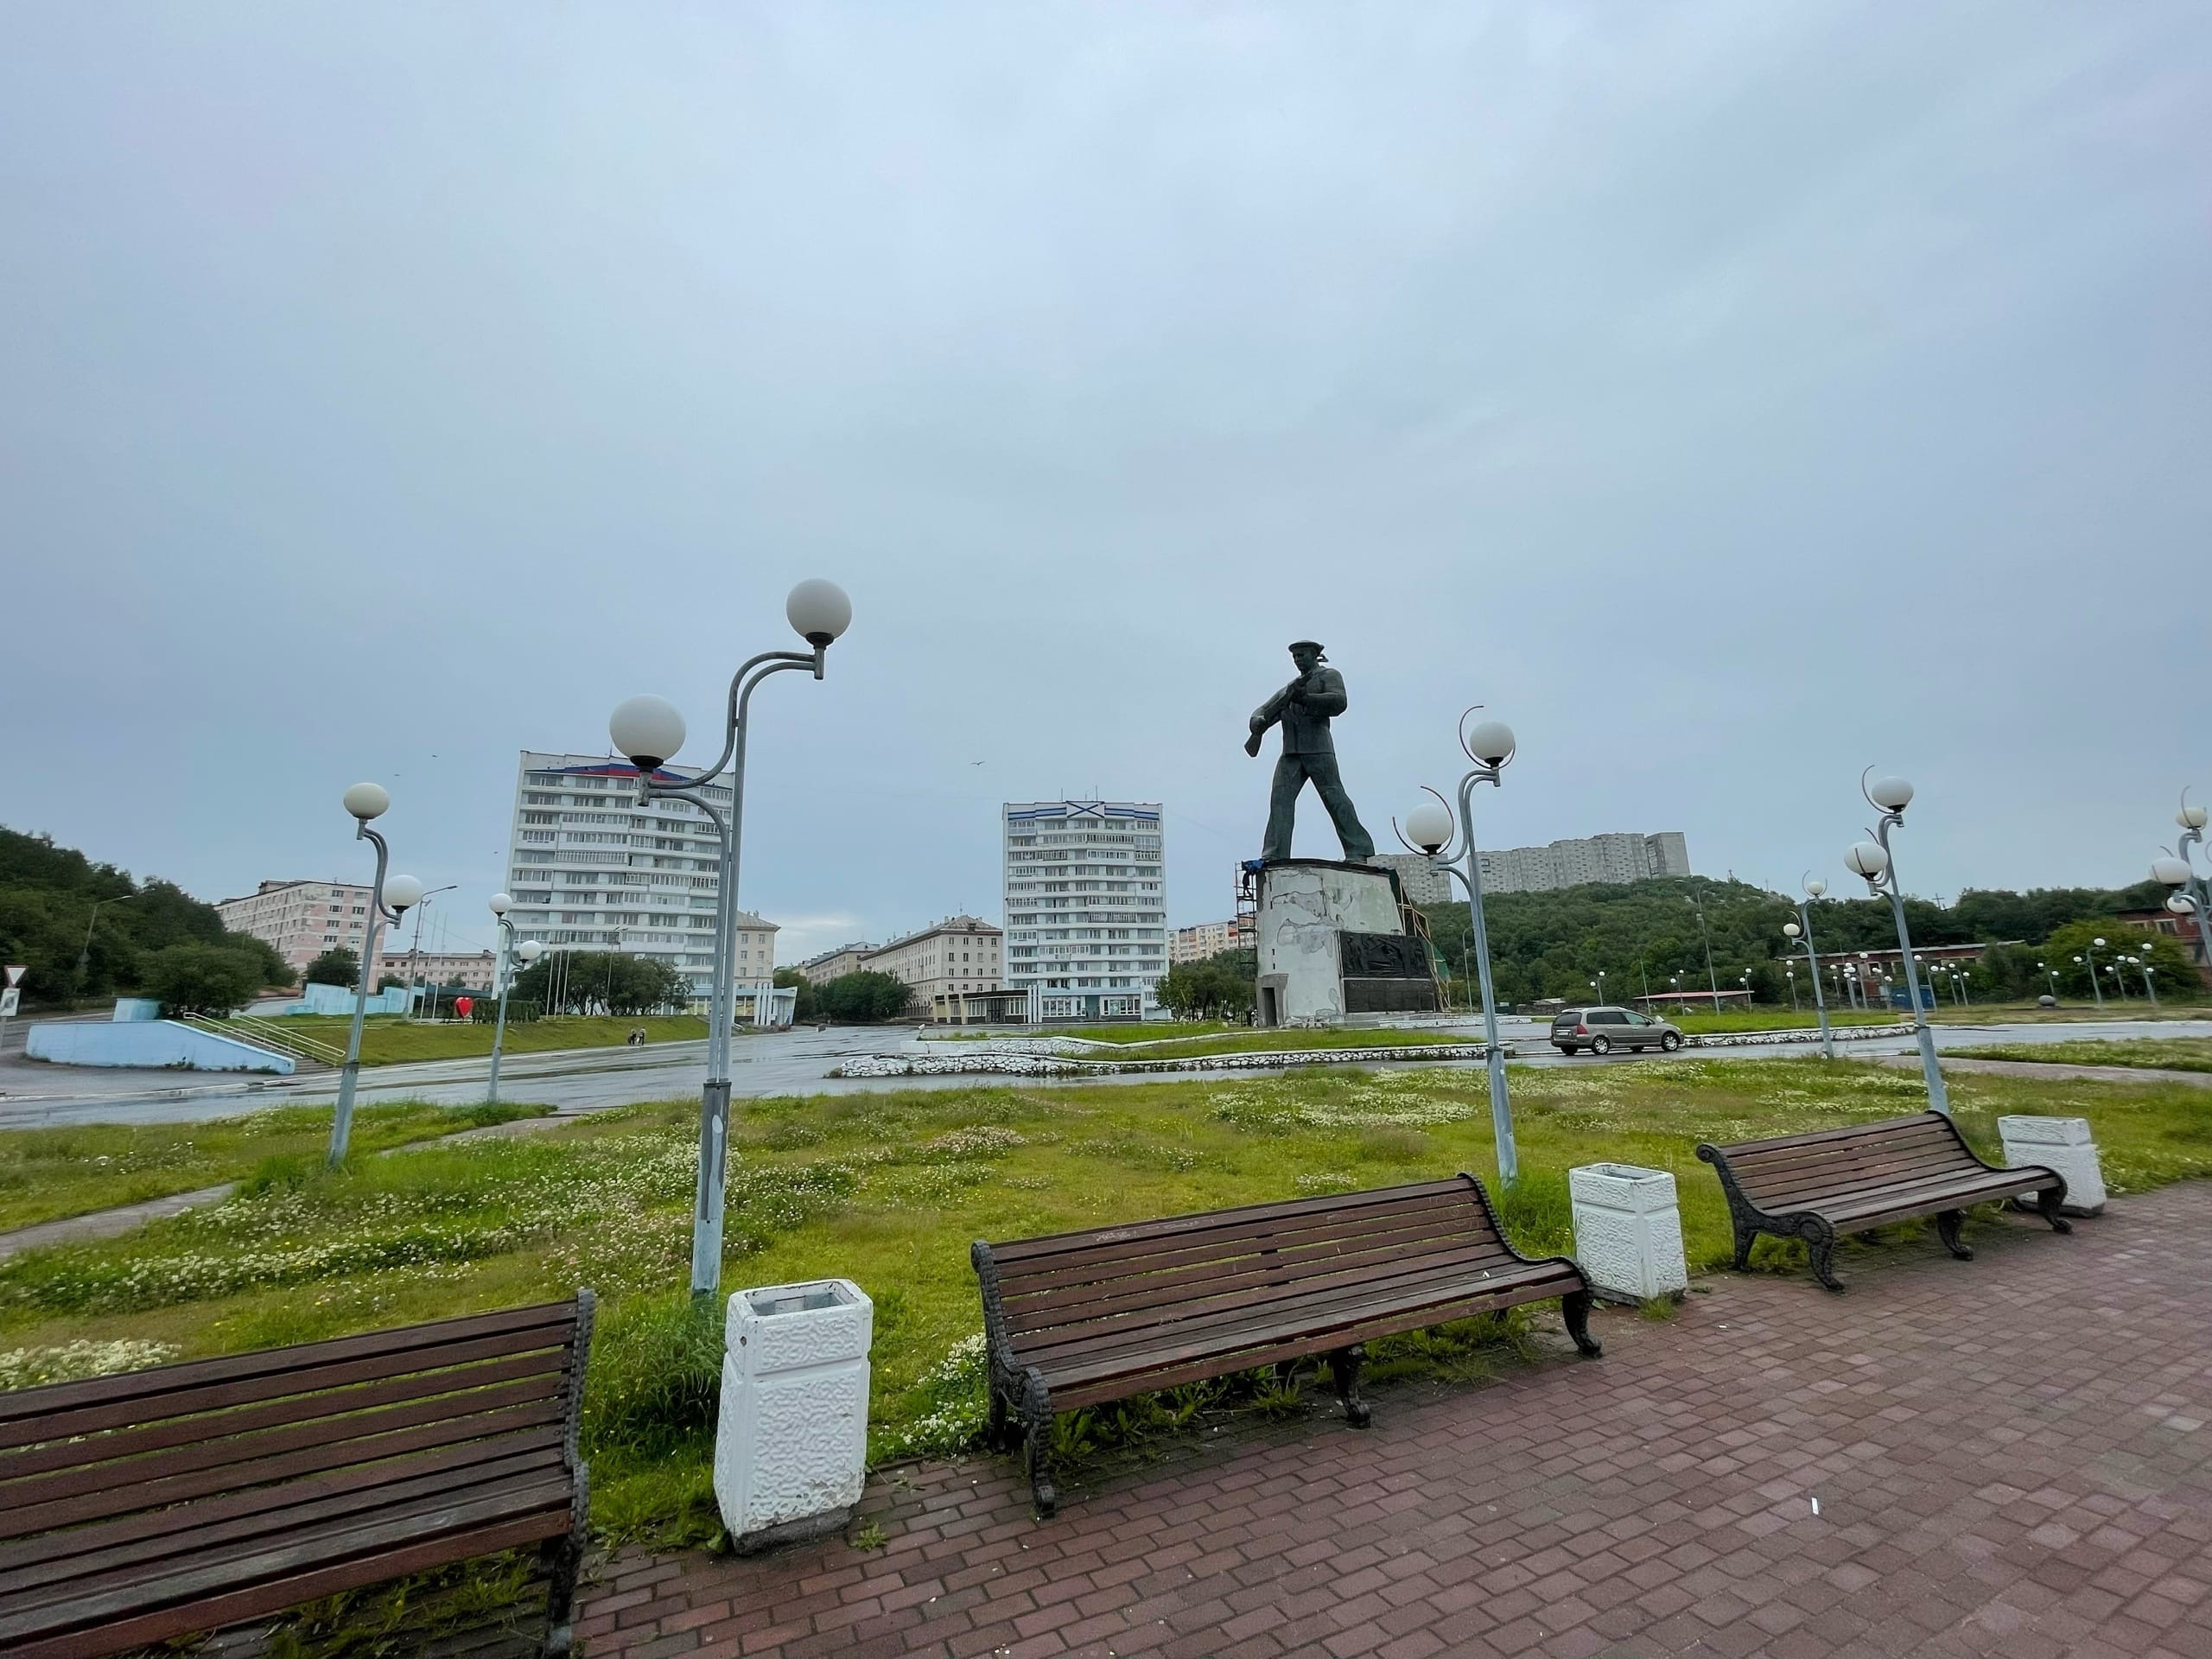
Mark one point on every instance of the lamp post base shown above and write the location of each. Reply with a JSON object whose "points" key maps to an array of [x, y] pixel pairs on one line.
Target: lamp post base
{"points": [[707, 1212]]}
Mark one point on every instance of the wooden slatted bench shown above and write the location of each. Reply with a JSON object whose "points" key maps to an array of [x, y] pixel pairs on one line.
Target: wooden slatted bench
{"points": [[1080, 1317], [1819, 1186], [185, 1498]]}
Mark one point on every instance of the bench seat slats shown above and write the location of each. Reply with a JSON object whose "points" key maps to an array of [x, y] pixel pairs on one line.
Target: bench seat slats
{"points": [[136, 1630], [88, 1552], [1366, 1281], [211, 1565], [182, 1498], [1864, 1175], [1081, 1318], [1259, 1327]]}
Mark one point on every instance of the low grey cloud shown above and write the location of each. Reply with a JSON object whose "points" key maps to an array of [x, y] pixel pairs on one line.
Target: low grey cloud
{"points": [[1730, 395]]}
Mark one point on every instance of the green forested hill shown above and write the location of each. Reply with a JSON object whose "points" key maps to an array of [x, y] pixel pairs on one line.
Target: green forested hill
{"points": [[47, 895], [1554, 943]]}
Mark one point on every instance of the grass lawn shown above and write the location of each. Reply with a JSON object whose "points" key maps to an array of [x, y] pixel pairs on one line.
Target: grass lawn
{"points": [[888, 1189], [2165, 1053], [387, 1039], [1731, 1019], [1245, 1041], [47, 1173]]}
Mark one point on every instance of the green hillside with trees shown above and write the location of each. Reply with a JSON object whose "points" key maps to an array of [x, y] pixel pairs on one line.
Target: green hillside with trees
{"points": [[1644, 933], [87, 930]]}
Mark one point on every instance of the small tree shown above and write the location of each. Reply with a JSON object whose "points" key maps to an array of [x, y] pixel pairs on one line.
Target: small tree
{"points": [[201, 978], [864, 997], [336, 966], [803, 1007]]}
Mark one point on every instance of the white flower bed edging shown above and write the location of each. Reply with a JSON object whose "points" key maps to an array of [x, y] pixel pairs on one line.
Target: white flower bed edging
{"points": [[1792, 1034], [1036, 1065]]}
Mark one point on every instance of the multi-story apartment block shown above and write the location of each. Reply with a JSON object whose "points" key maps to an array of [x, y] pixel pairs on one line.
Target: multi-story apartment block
{"points": [[301, 920], [1086, 906], [590, 869], [835, 964], [471, 970], [1419, 879], [958, 955], [1606, 858], [1204, 939]]}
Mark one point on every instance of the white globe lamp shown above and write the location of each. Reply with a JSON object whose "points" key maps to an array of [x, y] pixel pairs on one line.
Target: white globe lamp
{"points": [[403, 891], [818, 611], [501, 903], [367, 801], [648, 729], [1491, 742], [1867, 859], [1428, 826], [1890, 794]]}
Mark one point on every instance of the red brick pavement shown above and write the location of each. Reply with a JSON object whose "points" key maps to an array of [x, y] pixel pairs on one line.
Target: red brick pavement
{"points": [[2010, 1457]]}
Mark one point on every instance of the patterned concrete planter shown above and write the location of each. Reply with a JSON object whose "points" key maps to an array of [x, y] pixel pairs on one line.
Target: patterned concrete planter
{"points": [[790, 1449], [2062, 1144], [1628, 1232]]}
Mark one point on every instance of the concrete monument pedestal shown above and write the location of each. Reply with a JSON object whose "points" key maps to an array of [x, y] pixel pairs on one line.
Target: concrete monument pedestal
{"points": [[1332, 941]]}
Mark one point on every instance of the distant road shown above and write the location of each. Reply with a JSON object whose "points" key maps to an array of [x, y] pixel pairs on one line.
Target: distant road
{"points": [[776, 1063]]}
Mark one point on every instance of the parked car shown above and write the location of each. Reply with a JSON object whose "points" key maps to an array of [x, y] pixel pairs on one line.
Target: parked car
{"points": [[1602, 1030]]}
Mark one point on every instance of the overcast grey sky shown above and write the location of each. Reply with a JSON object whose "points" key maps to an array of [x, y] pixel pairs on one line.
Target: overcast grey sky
{"points": [[1730, 396]]}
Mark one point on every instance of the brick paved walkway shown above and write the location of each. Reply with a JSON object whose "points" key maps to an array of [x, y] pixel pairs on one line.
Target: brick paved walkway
{"points": [[2010, 1457]]}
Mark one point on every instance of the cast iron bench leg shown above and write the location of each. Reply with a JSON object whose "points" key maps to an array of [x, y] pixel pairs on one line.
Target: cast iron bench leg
{"points": [[563, 1559], [1574, 1308], [1947, 1229], [2048, 1199], [1343, 1369], [1746, 1236], [1037, 1420], [1820, 1238]]}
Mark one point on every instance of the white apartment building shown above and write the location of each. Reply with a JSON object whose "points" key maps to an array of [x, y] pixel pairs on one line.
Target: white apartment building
{"points": [[1086, 906], [1204, 939], [835, 964], [1607, 858], [958, 955], [301, 920], [1419, 879], [590, 869]]}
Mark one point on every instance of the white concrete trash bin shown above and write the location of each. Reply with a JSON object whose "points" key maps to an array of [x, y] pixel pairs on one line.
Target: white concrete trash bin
{"points": [[790, 1449], [2062, 1144], [1628, 1231]]}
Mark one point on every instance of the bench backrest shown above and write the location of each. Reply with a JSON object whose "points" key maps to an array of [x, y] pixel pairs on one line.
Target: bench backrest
{"points": [[1183, 1268], [1795, 1171], [129, 1454]]}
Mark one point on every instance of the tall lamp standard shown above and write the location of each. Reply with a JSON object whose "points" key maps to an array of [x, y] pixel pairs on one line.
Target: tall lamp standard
{"points": [[2096, 989], [2051, 974], [1870, 860], [649, 730], [389, 899], [1814, 888], [529, 950], [1696, 901], [1789, 968], [2177, 870], [1430, 830]]}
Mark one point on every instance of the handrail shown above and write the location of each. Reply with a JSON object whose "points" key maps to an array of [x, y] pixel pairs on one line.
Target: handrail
{"points": [[262, 1034]]}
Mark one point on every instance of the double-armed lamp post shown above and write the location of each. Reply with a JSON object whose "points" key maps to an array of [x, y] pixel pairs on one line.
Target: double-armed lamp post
{"points": [[390, 898], [1430, 830], [1870, 860], [528, 950], [2177, 870], [1801, 931], [649, 730]]}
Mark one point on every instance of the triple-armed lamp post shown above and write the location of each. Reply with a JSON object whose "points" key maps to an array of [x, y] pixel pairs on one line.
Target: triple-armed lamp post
{"points": [[528, 950], [1801, 931], [649, 730], [1430, 830], [389, 899], [1871, 860]]}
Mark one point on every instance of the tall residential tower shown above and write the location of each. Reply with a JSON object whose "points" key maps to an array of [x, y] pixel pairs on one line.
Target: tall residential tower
{"points": [[1086, 906]]}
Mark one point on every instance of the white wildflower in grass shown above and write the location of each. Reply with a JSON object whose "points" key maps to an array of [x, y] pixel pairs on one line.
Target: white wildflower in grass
{"points": [[954, 1403], [1325, 1180], [26, 1368]]}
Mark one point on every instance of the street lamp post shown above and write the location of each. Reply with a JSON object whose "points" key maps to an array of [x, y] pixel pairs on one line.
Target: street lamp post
{"points": [[1598, 985], [2051, 974], [1430, 830], [528, 950], [649, 730], [415, 951], [2096, 989], [1791, 969], [1814, 888], [389, 901], [1696, 902], [1872, 861], [84, 951], [2177, 870]]}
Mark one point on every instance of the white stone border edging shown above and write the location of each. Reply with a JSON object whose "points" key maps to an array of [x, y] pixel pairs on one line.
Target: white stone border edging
{"points": [[1003, 1063]]}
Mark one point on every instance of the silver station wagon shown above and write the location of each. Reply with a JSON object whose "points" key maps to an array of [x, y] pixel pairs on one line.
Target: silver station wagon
{"points": [[1602, 1030]]}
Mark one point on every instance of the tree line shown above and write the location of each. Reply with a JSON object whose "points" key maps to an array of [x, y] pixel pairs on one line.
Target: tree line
{"points": [[856, 999], [85, 931]]}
